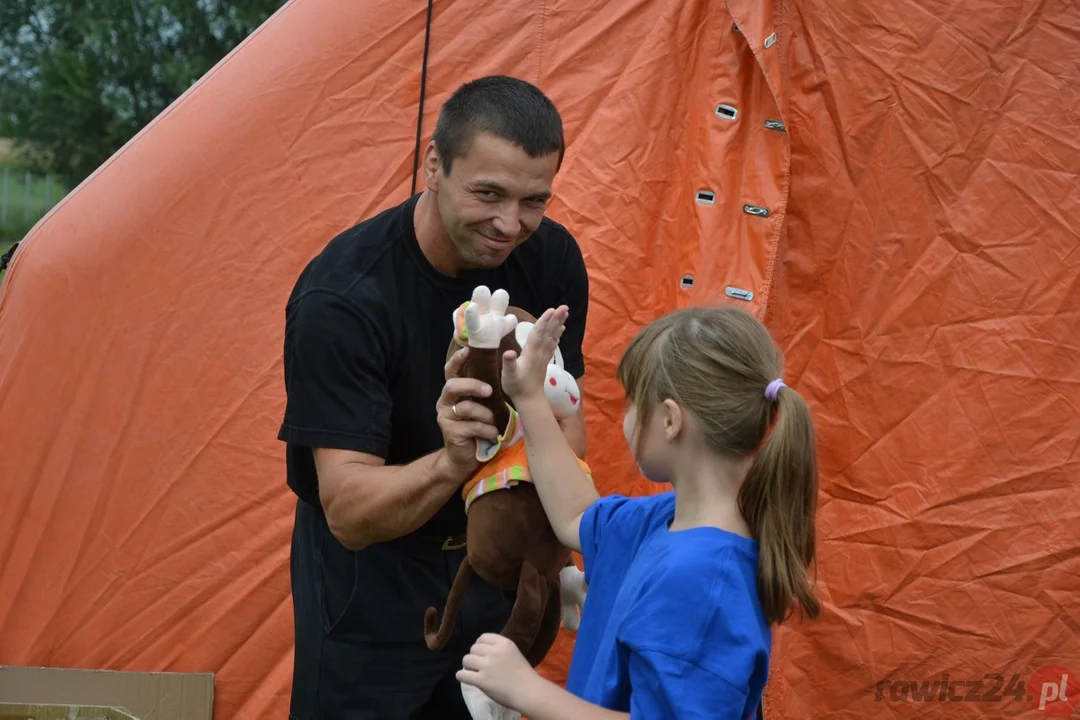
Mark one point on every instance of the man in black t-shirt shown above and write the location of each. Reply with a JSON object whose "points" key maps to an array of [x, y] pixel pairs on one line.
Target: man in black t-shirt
{"points": [[379, 433]]}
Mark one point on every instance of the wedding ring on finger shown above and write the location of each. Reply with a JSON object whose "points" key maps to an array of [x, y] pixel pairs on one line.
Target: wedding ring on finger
{"points": [[454, 408]]}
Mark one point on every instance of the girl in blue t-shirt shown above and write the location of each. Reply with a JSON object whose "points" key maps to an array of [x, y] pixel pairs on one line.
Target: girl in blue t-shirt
{"points": [[684, 586]]}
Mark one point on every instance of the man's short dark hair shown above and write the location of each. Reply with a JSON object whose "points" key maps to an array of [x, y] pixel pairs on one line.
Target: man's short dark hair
{"points": [[509, 108]]}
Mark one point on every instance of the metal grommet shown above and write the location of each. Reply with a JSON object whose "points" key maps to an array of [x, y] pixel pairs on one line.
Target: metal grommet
{"points": [[775, 125], [739, 293], [770, 41], [756, 210], [728, 112], [706, 197], [686, 281]]}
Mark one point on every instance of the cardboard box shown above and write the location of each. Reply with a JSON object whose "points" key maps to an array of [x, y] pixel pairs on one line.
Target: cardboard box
{"points": [[141, 695], [16, 711]]}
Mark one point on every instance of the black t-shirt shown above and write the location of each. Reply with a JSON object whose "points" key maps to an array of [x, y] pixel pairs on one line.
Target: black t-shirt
{"points": [[367, 328]]}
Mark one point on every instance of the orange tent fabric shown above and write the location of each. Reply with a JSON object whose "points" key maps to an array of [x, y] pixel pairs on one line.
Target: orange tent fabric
{"points": [[894, 188]]}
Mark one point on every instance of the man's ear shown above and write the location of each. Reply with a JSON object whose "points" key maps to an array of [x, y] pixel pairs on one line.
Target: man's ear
{"points": [[432, 166]]}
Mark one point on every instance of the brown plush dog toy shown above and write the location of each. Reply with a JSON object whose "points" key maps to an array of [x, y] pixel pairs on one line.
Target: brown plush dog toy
{"points": [[510, 542]]}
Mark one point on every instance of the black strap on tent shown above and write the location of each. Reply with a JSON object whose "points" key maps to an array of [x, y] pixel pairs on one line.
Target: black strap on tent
{"points": [[5, 259], [423, 89]]}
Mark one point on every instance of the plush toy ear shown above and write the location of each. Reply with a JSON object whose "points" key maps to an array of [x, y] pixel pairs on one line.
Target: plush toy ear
{"points": [[521, 334], [557, 359]]}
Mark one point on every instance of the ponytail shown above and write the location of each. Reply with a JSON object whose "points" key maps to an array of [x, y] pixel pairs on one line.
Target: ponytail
{"points": [[779, 501]]}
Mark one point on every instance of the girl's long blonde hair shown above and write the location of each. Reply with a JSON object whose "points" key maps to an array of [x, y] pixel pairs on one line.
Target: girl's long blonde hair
{"points": [[716, 363]]}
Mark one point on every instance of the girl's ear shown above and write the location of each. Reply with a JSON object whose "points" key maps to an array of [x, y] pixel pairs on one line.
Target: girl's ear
{"points": [[673, 420]]}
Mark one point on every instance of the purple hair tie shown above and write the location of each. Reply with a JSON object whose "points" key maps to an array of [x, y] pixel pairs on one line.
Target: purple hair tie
{"points": [[773, 388]]}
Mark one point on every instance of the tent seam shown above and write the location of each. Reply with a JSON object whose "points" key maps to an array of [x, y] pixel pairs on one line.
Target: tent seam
{"points": [[540, 41], [781, 218]]}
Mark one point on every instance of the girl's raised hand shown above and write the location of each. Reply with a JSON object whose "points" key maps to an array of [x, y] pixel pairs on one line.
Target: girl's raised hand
{"points": [[524, 376]]}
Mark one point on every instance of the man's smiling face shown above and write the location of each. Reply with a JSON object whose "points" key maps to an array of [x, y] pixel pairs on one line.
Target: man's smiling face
{"points": [[493, 199]]}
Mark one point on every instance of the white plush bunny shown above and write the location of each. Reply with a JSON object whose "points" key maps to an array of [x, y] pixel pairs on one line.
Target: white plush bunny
{"points": [[560, 388]]}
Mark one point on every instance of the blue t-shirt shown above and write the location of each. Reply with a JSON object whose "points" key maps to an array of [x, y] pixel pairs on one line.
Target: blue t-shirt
{"points": [[672, 626]]}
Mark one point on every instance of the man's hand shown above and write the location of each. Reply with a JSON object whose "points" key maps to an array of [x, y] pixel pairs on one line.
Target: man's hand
{"points": [[524, 376], [496, 666], [461, 420], [366, 501]]}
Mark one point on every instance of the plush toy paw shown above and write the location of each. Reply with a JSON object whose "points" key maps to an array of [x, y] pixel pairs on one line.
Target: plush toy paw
{"points": [[572, 591], [481, 707], [486, 320], [486, 449]]}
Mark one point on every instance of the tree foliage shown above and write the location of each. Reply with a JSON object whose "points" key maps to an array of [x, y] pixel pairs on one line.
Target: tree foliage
{"points": [[78, 78]]}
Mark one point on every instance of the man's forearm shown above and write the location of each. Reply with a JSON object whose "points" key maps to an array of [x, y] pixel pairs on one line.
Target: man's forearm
{"points": [[547, 701], [380, 503], [564, 489]]}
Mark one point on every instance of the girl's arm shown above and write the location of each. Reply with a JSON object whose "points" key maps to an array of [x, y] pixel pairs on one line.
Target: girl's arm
{"points": [[565, 491], [544, 700]]}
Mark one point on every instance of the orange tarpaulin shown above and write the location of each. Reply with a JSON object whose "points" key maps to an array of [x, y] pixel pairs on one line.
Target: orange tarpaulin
{"points": [[894, 187]]}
